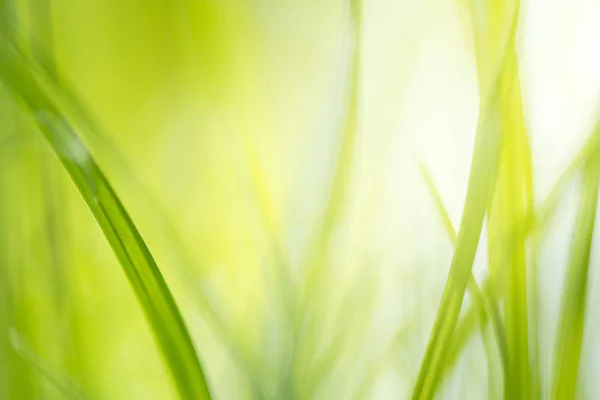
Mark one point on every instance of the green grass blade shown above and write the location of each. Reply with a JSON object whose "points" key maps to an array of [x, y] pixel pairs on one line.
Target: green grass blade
{"points": [[488, 19], [534, 222], [589, 150], [484, 302], [484, 167], [534, 296], [240, 353], [244, 357], [439, 204], [508, 210], [490, 302], [572, 318], [483, 171], [138, 264], [42, 46]]}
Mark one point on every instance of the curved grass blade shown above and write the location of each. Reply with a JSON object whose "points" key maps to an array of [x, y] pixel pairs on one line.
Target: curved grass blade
{"points": [[588, 151], [509, 201], [488, 305], [138, 264], [42, 49], [483, 173], [484, 301], [572, 318], [534, 222], [240, 353]]}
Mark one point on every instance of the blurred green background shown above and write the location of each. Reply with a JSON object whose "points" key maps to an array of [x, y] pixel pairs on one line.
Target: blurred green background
{"points": [[222, 131]]}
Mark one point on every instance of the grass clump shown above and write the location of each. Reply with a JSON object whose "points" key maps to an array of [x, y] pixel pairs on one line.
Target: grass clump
{"points": [[319, 336]]}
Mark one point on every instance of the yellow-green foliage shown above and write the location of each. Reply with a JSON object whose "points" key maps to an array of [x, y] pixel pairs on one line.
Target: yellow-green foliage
{"points": [[170, 227]]}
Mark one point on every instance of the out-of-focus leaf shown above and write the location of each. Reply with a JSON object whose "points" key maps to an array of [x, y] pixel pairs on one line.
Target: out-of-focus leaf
{"points": [[62, 382]]}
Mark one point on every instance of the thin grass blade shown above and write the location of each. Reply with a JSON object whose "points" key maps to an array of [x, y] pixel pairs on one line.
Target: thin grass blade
{"points": [[484, 302], [573, 310], [484, 167], [533, 223], [138, 264]]}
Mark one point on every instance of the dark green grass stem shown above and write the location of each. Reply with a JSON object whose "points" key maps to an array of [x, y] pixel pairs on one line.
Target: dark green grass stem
{"points": [[138, 264]]}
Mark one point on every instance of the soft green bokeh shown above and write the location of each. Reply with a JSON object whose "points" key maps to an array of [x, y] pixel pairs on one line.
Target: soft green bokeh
{"points": [[271, 155]]}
